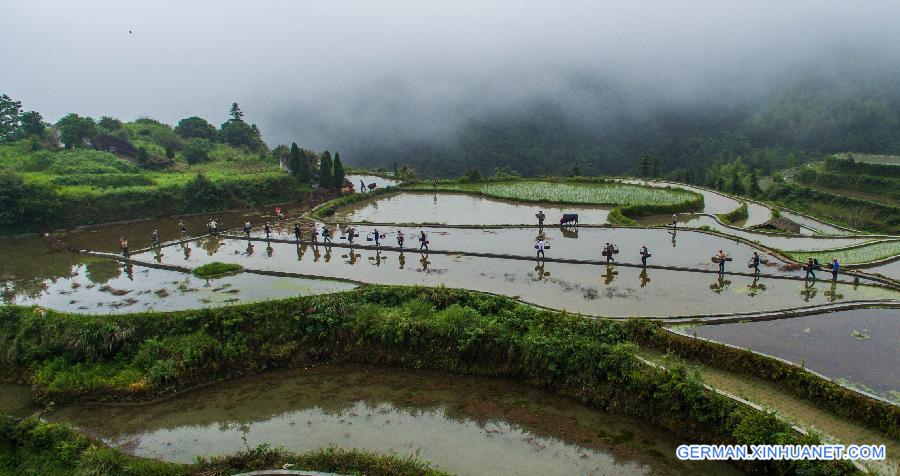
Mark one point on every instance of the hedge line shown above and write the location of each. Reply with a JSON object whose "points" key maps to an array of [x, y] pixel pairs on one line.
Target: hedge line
{"points": [[38, 207], [30, 446], [846, 211], [796, 380], [79, 357]]}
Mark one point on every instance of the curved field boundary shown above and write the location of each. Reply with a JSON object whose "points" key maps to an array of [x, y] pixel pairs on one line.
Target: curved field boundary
{"points": [[786, 313], [516, 257], [865, 264], [810, 217], [849, 402]]}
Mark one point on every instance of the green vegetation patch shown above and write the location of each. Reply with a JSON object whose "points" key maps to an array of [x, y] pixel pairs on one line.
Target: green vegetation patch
{"points": [[31, 446], [864, 253], [136, 356], [584, 193], [739, 213], [217, 270]]}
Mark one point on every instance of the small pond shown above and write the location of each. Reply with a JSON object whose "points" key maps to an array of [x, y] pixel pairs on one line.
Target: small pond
{"points": [[461, 424]]}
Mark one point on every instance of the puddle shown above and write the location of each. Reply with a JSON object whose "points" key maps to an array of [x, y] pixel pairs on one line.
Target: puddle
{"points": [[865, 339], [461, 209], [500, 426], [590, 289]]}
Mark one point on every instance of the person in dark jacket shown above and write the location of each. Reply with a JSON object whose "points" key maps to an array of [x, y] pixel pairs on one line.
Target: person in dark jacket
{"points": [[645, 253], [835, 266], [755, 263], [267, 229], [810, 268], [297, 231], [423, 241]]}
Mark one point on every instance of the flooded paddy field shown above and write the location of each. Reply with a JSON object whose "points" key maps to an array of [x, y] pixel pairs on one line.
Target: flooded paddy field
{"points": [[461, 209], [812, 226], [380, 182], [463, 425], [685, 248], [105, 287], [857, 347], [779, 241], [890, 270], [614, 291]]}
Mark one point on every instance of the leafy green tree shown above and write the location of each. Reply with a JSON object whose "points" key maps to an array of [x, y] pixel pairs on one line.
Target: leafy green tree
{"points": [[576, 171], [299, 164], [754, 184], [196, 150], [736, 183], [237, 133], [655, 167], [12, 191], [170, 151], [202, 193], [338, 172], [236, 113], [9, 118], [74, 130], [191, 127], [110, 124], [325, 168], [32, 124], [644, 166]]}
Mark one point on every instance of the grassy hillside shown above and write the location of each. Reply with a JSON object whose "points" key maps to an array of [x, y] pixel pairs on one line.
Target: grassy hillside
{"points": [[45, 187]]}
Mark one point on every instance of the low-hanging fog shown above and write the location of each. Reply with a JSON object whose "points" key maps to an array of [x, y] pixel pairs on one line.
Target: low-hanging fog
{"points": [[388, 79]]}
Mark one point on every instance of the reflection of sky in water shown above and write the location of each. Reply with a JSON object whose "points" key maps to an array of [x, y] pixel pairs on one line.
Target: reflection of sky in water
{"points": [[461, 209], [866, 337], [590, 289], [111, 287], [501, 427]]}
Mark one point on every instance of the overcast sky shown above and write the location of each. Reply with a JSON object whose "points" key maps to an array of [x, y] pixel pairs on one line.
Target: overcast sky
{"points": [[309, 71]]}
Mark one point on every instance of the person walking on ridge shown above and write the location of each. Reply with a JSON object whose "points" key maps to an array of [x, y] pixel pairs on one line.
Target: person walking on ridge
{"points": [[297, 231], [835, 266], [123, 244], [155, 236], [756, 263], [400, 238], [540, 247], [810, 269], [541, 217], [423, 241], [326, 235], [722, 258], [645, 253], [183, 228], [267, 229]]}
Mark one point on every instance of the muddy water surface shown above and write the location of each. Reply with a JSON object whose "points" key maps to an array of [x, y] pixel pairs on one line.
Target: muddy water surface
{"points": [[461, 209], [590, 289], [463, 425], [16, 400], [859, 347], [105, 286]]}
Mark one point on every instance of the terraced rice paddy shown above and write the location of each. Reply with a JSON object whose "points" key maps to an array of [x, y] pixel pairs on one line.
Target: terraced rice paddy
{"points": [[580, 193], [865, 253]]}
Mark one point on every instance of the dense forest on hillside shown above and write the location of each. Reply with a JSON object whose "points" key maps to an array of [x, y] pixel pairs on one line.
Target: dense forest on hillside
{"points": [[823, 112]]}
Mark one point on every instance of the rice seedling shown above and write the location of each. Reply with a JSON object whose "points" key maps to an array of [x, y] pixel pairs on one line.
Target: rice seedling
{"points": [[864, 253]]}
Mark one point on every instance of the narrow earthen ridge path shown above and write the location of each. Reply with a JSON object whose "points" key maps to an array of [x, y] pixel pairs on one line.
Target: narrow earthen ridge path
{"points": [[889, 284], [802, 414]]}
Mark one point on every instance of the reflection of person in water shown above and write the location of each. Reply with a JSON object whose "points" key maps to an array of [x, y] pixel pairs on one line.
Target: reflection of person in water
{"points": [[300, 250], [610, 275], [249, 248], [186, 247], [809, 291], [424, 261], [351, 258], [269, 250], [327, 254], [644, 277], [129, 271], [720, 284], [316, 254], [402, 260], [539, 272], [377, 259], [157, 255], [755, 287], [832, 295]]}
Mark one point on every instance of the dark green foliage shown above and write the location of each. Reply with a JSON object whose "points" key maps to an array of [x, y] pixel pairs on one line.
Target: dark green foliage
{"points": [[108, 180], [170, 151], [754, 185], [216, 270], [110, 124], [325, 170], [12, 191], [9, 118], [195, 128], [88, 162], [202, 193], [238, 133], [32, 124], [339, 174], [196, 150], [74, 130], [143, 158], [76, 357], [235, 112]]}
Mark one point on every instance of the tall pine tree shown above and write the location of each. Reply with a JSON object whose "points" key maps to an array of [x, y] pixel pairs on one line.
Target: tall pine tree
{"points": [[325, 168], [338, 172]]}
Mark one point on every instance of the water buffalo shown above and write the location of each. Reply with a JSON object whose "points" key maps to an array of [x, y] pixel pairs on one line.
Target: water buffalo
{"points": [[569, 219]]}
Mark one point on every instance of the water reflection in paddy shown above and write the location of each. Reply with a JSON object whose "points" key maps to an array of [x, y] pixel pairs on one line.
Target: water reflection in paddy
{"points": [[105, 286], [380, 182], [461, 424], [865, 338], [590, 289], [460, 209]]}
